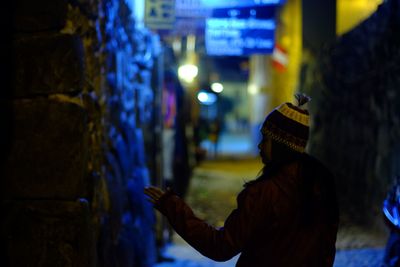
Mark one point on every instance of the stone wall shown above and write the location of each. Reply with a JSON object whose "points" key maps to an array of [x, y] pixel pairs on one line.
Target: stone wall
{"points": [[74, 168], [356, 113]]}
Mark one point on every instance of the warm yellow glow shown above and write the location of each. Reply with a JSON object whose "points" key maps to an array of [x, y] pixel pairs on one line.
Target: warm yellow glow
{"points": [[351, 12], [217, 87], [191, 43], [253, 89], [286, 41], [289, 36], [188, 72], [177, 45]]}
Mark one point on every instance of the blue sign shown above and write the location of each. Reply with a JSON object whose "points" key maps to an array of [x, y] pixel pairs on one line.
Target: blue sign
{"points": [[239, 37], [240, 3], [240, 32]]}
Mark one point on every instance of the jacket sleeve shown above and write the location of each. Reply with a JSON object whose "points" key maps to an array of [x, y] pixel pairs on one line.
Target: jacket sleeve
{"points": [[219, 244]]}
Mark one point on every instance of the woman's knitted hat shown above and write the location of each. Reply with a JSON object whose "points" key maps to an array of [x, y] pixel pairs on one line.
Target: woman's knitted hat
{"points": [[289, 124]]}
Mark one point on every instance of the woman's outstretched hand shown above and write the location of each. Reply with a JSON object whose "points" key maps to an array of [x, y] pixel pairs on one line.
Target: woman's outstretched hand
{"points": [[154, 193]]}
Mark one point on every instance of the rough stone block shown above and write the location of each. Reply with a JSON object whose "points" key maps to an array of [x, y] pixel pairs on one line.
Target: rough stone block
{"points": [[48, 155], [42, 15], [48, 64], [48, 233]]}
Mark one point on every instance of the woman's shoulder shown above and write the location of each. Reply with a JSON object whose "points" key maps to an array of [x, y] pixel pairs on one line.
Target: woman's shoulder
{"points": [[314, 165], [259, 192], [253, 184], [260, 185]]}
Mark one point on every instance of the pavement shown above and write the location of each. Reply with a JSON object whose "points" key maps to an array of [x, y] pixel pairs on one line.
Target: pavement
{"points": [[221, 177], [185, 256]]}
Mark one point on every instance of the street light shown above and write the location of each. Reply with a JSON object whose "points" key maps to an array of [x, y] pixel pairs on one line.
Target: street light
{"points": [[188, 72], [253, 89], [206, 98], [217, 87]]}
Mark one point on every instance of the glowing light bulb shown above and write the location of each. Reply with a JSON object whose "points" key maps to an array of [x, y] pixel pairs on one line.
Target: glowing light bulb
{"points": [[206, 98], [188, 72], [253, 89], [202, 97], [217, 87]]}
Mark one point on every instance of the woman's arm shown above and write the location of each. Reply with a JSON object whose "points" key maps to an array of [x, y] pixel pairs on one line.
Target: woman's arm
{"points": [[218, 244]]}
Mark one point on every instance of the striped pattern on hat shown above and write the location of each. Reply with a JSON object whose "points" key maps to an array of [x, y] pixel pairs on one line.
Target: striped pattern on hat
{"points": [[289, 125]]}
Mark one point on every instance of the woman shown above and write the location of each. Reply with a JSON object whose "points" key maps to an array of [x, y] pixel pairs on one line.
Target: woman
{"points": [[286, 217]]}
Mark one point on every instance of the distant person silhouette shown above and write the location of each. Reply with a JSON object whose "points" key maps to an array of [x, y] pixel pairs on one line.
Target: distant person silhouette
{"points": [[214, 135], [287, 217]]}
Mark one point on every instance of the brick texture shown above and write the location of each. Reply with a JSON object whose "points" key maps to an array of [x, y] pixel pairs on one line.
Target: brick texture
{"points": [[42, 15], [48, 233], [48, 153], [48, 64]]}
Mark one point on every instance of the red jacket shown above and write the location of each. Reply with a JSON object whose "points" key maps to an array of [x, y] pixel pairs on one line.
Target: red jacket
{"points": [[285, 218]]}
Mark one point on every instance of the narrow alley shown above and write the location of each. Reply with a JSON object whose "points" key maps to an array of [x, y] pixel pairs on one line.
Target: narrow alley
{"points": [[212, 195], [105, 104]]}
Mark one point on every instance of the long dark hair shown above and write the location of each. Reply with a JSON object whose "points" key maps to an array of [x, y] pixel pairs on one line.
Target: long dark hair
{"points": [[319, 192], [317, 188], [281, 155]]}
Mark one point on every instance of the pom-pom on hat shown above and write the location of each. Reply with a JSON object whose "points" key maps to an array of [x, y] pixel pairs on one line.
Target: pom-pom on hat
{"points": [[289, 124]]}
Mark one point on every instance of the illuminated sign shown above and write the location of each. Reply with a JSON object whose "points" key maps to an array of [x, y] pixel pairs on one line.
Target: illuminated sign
{"points": [[159, 14], [239, 3], [240, 32], [190, 17], [191, 8]]}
